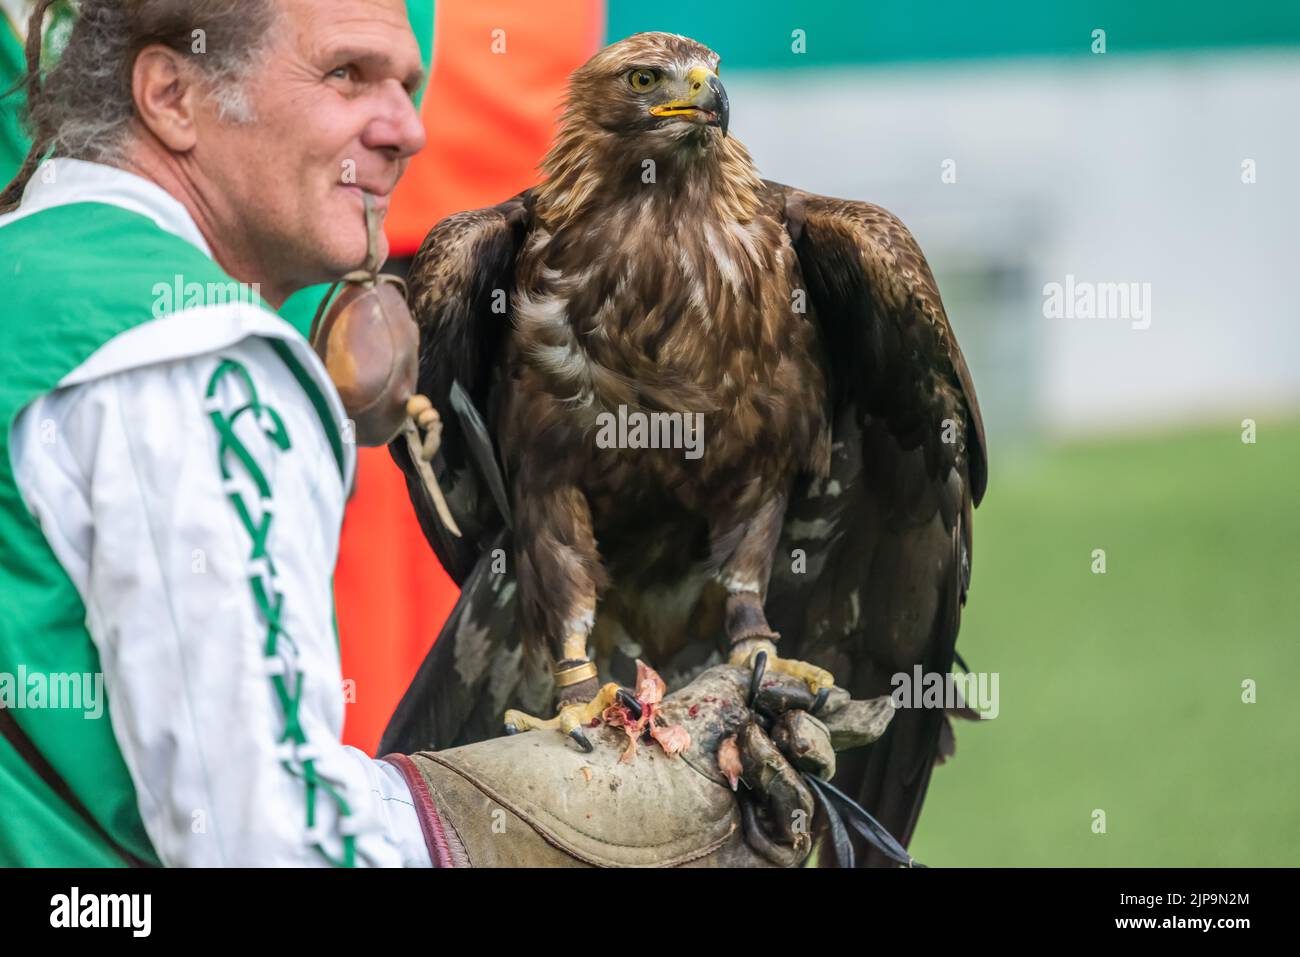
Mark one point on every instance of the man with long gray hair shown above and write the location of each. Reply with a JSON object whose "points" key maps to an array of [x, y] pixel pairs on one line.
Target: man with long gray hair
{"points": [[174, 463]]}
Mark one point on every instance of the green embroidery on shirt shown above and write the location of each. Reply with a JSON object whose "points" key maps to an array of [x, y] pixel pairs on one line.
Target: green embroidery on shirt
{"points": [[288, 683]]}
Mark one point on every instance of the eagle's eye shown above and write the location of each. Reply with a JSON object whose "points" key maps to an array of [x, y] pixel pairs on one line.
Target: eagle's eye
{"points": [[643, 80]]}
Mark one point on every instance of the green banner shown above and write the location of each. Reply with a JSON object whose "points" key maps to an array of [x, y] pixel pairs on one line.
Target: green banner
{"points": [[764, 34]]}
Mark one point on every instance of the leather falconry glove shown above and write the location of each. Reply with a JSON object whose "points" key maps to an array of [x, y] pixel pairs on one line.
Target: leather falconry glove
{"points": [[537, 801]]}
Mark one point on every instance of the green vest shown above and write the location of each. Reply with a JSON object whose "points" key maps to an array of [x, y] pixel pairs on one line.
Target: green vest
{"points": [[73, 277]]}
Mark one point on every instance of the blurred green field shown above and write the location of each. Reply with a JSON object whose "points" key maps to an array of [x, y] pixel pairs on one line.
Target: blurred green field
{"points": [[1123, 691]]}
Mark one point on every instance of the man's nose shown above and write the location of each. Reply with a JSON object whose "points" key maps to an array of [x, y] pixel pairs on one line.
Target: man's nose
{"points": [[396, 128]]}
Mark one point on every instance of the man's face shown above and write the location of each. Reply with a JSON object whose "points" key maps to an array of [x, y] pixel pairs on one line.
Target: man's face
{"points": [[333, 117]]}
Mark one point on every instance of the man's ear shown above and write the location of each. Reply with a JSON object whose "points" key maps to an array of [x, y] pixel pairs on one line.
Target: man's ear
{"points": [[165, 96]]}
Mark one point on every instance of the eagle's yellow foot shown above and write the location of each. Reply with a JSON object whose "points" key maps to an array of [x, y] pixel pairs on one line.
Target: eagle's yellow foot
{"points": [[570, 720], [760, 654]]}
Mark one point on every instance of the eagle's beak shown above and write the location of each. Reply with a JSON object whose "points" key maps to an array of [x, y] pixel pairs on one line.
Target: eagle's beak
{"points": [[718, 96], [707, 100]]}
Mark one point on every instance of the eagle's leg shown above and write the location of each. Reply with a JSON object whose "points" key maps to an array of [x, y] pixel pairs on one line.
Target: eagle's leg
{"points": [[744, 575], [559, 576], [575, 677]]}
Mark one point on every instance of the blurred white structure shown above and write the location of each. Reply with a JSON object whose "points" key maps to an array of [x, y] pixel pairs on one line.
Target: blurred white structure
{"points": [[1110, 169]]}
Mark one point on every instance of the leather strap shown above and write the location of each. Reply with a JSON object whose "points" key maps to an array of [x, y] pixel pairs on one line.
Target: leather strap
{"points": [[17, 737]]}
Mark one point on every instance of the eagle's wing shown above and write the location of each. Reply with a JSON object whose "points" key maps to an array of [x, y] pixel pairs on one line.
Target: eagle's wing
{"points": [[475, 671], [885, 540], [458, 288]]}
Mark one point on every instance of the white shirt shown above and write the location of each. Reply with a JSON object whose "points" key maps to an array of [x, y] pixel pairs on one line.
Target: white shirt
{"points": [[120, 467]]}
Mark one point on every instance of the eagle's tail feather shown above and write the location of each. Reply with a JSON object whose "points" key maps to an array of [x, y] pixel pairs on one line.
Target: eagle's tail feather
{"points": [[892, 782], [890, 778]]}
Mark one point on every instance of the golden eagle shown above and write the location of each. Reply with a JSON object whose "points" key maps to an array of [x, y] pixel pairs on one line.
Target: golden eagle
{"points": [[687, 410]]}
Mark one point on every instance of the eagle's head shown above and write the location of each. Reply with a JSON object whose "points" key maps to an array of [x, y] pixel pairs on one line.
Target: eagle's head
{"points": [[647, 111], [656, 85]]}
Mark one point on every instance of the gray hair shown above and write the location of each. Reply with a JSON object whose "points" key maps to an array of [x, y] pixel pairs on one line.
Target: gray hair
{"points": [[83, 106]]}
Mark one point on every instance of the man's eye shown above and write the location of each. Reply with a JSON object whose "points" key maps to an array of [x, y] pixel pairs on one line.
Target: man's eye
{"points": [[342, 73]]}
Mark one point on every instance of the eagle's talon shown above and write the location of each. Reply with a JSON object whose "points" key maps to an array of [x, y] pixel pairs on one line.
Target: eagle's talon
{"points": [[820, 703], [761, 656], [756, 679], [628, 700], [570, 720]]}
